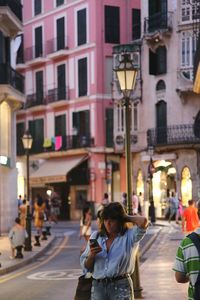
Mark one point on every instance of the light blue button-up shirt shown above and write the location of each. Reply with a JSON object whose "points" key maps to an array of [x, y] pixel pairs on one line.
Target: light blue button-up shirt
{"points": [[121, 257]]}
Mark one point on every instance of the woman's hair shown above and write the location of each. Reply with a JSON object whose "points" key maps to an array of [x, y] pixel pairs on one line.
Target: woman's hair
{"points": [[40, 201], [114, 211]]}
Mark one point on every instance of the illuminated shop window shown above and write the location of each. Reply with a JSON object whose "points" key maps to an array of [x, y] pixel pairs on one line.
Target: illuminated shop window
{"points": [[140, 183], [5, 124]]}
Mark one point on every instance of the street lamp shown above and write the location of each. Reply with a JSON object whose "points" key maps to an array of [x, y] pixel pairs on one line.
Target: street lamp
{"points": [[151, 171], [27, 141], [126, 74]]}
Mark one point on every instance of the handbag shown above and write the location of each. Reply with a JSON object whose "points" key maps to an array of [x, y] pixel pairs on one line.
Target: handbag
{"points": [[83, 290]]}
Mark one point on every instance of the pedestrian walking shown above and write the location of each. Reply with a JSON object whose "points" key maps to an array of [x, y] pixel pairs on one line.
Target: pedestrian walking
{"points": [[135, 203], [190, 219], [17, 237], [173, 206], [39, 210], [23, 213], [186, 264], [111, 267], [179, 211]]}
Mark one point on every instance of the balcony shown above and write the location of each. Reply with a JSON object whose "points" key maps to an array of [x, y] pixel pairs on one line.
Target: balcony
{"points": [[158, 26], [45, 97], [172, 136], [35, 55], [57, 94], [11, 16], [57, 47], [11, 77], [68, 143]]}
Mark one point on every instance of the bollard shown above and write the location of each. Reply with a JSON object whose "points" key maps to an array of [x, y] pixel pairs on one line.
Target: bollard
{"points": [[19, 252], [37, 240]]}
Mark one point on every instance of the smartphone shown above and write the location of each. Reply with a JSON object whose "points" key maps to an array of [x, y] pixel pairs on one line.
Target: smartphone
{"points": [[94, 243]]}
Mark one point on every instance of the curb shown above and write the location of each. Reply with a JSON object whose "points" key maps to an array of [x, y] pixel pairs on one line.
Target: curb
{"points": [[27, 261]]}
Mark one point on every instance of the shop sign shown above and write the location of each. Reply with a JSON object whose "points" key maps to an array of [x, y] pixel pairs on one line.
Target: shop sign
{"points": [[4, 160]]}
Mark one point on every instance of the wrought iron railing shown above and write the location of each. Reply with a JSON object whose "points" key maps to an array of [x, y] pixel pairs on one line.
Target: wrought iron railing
{"points": [[56, 44], [172, 135], [158, 21], [68, 143], [9, 76], [15, 6], [46, 97]]}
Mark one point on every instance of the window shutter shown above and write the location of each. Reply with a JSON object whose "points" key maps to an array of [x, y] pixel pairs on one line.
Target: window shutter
{"points": [[152, 63], [39, 87], [161, 60], [82, 77], [59, 2], [38, 42], [60, 33], [136, 24], [112, 24], [81, 20], [109, 127], [37, 7], [60, 125], [20, 133], [61, 82]]}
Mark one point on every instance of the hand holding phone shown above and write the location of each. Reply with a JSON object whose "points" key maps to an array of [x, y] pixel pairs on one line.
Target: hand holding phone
{"points": [[94, 243]]}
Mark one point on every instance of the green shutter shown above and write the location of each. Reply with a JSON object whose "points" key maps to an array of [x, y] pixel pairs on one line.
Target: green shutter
{"points": [[109, 127]]}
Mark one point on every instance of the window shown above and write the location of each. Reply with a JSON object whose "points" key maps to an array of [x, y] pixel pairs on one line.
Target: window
{"points": [[81, 128], [60, 26], [109, 127], [60, 125], [112, 24], [136, 24], [37, 7], [158, 61], [120, 115], [81, 27], [82, 77], [39, 87], [38, 42], [61, 82], [188, 48], [5, 130], [36, 128], [59, 2], [160, 85]]}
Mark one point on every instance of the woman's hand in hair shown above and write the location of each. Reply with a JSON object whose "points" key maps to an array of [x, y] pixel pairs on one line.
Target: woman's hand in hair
{"points": [[138, 220]]}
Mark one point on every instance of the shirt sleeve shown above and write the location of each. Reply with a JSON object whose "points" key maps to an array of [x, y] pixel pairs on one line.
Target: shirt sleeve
{"points": [[179, 261], [136, 234]]}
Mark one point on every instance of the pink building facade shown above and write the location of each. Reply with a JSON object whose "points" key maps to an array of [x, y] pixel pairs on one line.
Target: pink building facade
{"points": [[66, 58]]}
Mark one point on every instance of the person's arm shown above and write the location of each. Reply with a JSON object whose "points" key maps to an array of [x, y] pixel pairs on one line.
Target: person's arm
{"points": [[181, 277], [140, 221], [183, 223], [89, 262]]}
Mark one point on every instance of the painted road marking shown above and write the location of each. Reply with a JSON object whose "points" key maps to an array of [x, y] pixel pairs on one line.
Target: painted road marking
{"points": [[69, 274]]}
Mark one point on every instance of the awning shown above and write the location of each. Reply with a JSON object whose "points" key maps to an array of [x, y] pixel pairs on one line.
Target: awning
{"points": [[55, 170]]}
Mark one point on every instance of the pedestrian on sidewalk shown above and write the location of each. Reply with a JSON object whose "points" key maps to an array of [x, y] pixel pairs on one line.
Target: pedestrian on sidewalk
{"points": [[17, 237], [190, 219], [187, 265], [22, 213], [112, 259], [39, 210]]}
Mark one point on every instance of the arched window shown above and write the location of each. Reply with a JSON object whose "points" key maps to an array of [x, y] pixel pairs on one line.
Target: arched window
{"points": [[160, 85], [186, 186]]}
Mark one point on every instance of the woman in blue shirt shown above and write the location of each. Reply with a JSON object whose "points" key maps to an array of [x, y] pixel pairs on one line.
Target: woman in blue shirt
{"points": [[113, 260]]}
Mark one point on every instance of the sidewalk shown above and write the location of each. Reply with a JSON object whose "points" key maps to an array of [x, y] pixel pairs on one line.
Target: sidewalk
{"points": [[9, 265], [156, 275]]}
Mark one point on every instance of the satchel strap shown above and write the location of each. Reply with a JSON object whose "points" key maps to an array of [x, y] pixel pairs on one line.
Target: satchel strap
{"points": [[195, 238]]}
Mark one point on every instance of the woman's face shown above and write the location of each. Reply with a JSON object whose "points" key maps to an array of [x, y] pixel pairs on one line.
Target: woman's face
{"points": [[112, 226]]}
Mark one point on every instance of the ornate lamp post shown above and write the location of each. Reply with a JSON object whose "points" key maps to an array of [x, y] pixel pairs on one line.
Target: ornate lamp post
{"points": [[126, 74], [27, 141]]}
